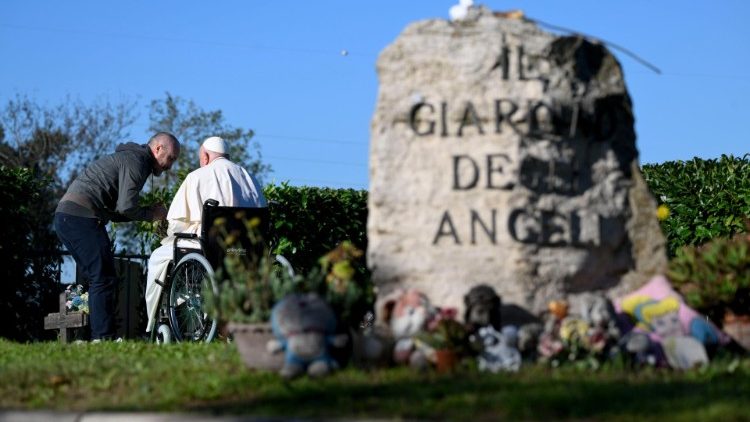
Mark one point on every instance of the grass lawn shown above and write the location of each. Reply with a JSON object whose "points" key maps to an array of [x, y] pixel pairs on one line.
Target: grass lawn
{"points": [[210, 378]]}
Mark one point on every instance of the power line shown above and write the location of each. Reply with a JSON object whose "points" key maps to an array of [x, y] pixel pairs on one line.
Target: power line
{"points": [[599, 40], [307, 160], [301, 138]]}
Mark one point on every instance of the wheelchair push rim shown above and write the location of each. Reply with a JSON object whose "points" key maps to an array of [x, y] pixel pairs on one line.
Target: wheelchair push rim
{"points": [[186, 302]]}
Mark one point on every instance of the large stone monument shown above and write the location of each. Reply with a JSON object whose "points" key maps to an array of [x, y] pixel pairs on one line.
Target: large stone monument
{"points": [[505, 155]]}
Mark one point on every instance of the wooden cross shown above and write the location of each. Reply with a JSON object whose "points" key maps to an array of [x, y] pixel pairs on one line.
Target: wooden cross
{"points": [[63, 320]]}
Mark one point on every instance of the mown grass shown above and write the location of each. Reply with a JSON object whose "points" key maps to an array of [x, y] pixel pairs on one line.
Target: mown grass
{"points": [[210, 378]]}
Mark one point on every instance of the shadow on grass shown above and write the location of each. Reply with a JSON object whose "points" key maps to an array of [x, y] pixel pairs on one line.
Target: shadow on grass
{"points": [[485, 397]]}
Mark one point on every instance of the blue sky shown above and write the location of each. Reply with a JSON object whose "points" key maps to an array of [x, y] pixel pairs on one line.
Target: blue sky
{"points": [[278, 67]]}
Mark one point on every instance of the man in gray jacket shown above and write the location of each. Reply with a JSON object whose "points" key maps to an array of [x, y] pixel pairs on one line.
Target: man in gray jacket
{"points": [[109, 190]]}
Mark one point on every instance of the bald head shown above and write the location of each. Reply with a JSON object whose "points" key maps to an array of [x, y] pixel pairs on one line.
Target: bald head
{"points": [[165, 148], [164, 138]]}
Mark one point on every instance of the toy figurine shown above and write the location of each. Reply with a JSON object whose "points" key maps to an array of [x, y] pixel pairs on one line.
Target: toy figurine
{"points": [[407, 314], [305, 328], [482, 308]]}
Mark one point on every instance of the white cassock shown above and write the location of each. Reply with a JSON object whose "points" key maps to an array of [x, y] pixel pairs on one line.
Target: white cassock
{"points": [[222, 180]]}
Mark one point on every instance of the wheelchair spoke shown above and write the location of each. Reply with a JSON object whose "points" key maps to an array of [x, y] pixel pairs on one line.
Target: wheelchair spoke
{"points": [[186, 307]]}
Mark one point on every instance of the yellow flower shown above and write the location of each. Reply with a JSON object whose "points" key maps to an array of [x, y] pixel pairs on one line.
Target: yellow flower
{"points": [[662, 213]]}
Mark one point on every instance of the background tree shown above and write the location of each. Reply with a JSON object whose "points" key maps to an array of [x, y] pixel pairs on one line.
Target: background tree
{"points": [[191, 124], [58, 141]]}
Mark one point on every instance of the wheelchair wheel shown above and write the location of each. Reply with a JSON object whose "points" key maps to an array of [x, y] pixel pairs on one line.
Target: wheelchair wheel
{"points": [[189, 321]]}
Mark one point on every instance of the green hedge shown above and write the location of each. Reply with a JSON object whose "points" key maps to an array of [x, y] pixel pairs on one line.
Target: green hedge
{"points": [[706, 198], [307, 222], [27, 277]]}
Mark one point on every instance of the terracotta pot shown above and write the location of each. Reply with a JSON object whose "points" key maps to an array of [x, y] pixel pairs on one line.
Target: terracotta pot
{"points": [[251, 340], [738, 327], [445, 360]]}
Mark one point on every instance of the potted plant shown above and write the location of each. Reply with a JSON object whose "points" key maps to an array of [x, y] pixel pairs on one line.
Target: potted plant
{"points": [[248, 285], [445, 340], [714, 278]]}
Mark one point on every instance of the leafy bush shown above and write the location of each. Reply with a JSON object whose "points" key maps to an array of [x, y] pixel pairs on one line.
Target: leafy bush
{"points": [[714, 277], [28, 278], [308, 222], [706, 198]]}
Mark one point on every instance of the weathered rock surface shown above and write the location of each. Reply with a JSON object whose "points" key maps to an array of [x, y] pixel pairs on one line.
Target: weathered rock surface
{"points": [[505, 155]]}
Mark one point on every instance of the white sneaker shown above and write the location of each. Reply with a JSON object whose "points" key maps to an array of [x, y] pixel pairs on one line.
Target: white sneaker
{"points": [[117, 340]]}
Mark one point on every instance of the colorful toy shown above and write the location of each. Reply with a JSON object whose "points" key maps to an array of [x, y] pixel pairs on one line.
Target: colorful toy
{"points": [[305, 328], [407, 314], [499, 352], [683, 335]]}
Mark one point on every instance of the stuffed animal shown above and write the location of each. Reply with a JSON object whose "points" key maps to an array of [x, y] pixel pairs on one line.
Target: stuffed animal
{"points": [[598, 312], [305, 328], [683, 335], [406, 313], [499, 351], [482, 308]]}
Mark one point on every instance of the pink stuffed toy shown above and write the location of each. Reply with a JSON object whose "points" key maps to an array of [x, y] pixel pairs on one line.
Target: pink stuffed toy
{"points": [[660, 312], [407, 313]]}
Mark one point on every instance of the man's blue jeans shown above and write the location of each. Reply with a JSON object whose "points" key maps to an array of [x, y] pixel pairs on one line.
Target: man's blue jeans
{"points": [[87, 240]]}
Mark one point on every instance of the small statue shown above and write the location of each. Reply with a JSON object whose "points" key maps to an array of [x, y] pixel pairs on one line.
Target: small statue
{"points": [[305, 327]]}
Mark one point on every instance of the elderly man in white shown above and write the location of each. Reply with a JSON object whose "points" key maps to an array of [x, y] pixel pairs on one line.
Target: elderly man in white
{"points": [[217, 178]]}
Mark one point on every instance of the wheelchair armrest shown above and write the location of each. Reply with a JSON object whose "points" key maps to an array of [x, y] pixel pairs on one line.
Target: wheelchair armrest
{"points": [[186, 235]]}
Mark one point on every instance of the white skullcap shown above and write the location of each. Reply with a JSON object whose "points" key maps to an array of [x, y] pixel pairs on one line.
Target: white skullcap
{"points": [[215, 144]]}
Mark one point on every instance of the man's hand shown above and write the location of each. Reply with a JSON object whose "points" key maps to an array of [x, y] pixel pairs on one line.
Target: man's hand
{"points": [[158, 212]]}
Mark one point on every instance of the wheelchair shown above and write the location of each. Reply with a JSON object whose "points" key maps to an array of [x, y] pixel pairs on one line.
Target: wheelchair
{"points": [[181, 315]]}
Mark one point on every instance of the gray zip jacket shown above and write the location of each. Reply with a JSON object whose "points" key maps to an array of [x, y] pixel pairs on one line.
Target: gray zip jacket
{"points": [[109, 188]]}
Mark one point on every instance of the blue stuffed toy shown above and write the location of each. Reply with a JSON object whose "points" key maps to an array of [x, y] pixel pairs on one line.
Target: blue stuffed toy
{"points": [[305, 327]]}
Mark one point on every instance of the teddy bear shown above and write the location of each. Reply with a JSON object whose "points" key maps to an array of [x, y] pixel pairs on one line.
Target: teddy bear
{"points": [[406, 313], [305, 327]]}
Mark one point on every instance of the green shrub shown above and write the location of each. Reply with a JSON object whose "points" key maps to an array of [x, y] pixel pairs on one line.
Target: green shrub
{"points": [[706, 198], [27, 275], [308, 222], [714, 277]]}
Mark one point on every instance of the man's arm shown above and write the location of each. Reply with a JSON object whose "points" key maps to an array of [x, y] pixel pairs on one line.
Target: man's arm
{"points": [[131, 181]]}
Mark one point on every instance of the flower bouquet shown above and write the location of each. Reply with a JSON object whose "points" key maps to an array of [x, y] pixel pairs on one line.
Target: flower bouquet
{"points": [[76, 299]]}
